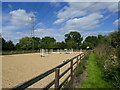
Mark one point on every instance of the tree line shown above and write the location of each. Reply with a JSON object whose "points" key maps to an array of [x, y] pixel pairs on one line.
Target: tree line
{"points": [[72, 40]]}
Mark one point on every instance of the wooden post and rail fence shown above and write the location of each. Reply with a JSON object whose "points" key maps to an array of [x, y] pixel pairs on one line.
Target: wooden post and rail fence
{"points": [[58, 76]]}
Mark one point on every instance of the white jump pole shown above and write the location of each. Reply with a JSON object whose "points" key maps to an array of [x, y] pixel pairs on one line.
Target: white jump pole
{"points": [[72, 50], [42, 52], [58, 51], [50, 50], [80, 50], [46, 51]]}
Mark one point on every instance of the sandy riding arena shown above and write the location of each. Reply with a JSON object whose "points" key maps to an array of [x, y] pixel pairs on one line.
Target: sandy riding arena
{"points": [[21, 67]]}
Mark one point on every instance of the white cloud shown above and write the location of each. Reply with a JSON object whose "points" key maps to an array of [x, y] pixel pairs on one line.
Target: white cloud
{"points": [[20, 17], [58, 21], [42, 32], [84, 23], [77, 9], [14, 36], [40, 24], [17, 19], [117, 22], [9, 28]]}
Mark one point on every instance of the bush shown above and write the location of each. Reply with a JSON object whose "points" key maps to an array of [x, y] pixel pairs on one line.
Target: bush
{"points": [[81, 67], [118, 52]]}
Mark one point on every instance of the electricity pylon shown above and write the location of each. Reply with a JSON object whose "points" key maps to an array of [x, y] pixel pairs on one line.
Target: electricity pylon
{"points": [[33, 24]]}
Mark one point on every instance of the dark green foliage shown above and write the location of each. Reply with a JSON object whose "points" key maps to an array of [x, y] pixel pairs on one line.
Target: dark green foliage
{"points": [[61, 45], [113, 76], [71, 44], [115, 41], [17, 46], [118, 52], [36, 41], [73, 36], [115, 38], [3, 44], [48, 40], [26, 43], [10, 45], [92, 39], [73, 40], [84, 45]]}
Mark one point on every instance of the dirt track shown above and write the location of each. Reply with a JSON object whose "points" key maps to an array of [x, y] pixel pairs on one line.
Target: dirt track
{"points": [[19, 68]]}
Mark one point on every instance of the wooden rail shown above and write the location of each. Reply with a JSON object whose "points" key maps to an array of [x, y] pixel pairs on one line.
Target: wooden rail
{"points": [[58, 76]]}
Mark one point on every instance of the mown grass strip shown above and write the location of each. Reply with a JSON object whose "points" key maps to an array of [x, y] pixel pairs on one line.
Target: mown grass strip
{"points": [[94, 74]]}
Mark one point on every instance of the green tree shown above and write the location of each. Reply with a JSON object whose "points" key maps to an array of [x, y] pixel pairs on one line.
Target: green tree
{"points": [[72, 44], [115, 41], [115, 38], [84, 45], [46, 42], [74, 39], [62, 45], [59, 45], [3, 43], [37, 42], [9, 45], [17, 46], [92, 39], [26, 43]]}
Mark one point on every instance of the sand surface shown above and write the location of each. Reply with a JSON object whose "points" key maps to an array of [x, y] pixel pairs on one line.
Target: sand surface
{"points": [[19, 68]]}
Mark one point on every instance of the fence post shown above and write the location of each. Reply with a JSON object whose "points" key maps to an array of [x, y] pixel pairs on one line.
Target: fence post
{"points": [[71, 74], [57, 78], [80, 56], [77, 60]]}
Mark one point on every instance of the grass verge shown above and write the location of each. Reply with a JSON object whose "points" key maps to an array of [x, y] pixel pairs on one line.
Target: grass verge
{"points": [[94, 74], [18, 52]]}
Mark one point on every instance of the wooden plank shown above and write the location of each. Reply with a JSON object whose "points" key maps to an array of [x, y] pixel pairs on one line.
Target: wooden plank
{"points": [[49, 85], [77, 61], [64, 72], [64, 81]]}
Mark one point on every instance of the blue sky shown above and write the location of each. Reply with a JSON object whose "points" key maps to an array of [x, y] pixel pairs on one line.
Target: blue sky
{"points": [[55, 19]]}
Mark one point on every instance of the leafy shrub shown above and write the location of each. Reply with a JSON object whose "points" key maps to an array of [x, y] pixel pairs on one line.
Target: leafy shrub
{"points": [[81, 67]]}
